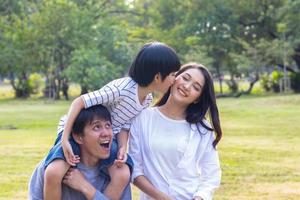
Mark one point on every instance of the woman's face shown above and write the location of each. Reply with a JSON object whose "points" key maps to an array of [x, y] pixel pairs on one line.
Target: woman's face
{"points": [[188, 86]]}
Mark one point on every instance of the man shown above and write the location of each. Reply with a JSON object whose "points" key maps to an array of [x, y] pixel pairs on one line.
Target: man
{"points": [[92, 131]]}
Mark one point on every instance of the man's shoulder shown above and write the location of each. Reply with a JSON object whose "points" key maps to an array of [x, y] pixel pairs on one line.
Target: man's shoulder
{"points": [[36, 183]]}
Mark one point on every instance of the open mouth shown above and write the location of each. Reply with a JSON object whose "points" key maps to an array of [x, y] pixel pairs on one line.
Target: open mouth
{"points": [[104, 144]]}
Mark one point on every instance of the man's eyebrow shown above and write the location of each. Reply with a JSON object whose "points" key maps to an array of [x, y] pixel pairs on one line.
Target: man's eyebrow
{"points": [[95, 121], [99, 120]]}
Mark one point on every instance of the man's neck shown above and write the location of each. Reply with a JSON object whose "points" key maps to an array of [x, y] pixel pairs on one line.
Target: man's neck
{"points": [[88, 161]]}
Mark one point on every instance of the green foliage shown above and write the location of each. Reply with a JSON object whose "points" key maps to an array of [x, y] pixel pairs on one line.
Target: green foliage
{"points": [[271, 81], [36, 83], [265, 81], [90, 69], [275, 78], [229, 37]]}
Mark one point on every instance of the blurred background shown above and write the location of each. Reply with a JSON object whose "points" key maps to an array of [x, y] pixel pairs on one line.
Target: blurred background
{"points": [[54, 50]]}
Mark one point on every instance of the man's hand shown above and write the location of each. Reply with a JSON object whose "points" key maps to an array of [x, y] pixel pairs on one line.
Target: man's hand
{"points": [[69, 155], [74, 179]]}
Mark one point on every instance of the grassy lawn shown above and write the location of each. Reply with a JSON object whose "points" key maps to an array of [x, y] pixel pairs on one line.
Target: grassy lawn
{"points": [[260, 151]]}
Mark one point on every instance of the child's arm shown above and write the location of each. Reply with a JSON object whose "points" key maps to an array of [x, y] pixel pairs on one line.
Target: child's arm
{"points": [[74, 110], [122, 138], [105, 95]]}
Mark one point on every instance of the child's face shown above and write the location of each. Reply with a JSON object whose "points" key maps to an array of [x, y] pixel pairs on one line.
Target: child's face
{"points": [[164, 85]]}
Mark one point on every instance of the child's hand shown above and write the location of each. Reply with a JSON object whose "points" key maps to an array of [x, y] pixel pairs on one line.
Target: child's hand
{"points": [[68, 152], [122, 157]]}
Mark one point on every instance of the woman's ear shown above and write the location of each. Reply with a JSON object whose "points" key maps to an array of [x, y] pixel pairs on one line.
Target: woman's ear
{"points": [[77, 138]]}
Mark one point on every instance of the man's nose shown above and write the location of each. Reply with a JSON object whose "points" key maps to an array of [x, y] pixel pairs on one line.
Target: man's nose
{"points": [[106, 132]]}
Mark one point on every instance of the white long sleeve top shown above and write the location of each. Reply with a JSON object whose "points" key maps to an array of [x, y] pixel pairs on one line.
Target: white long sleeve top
{"points": [[174, 156]]}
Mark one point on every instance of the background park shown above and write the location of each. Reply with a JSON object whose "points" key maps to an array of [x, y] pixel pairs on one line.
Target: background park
{"points": [[51, 51]]}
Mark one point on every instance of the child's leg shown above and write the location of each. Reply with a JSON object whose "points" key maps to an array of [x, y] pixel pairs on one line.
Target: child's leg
{"points": [[54, 174], [119, 179]]}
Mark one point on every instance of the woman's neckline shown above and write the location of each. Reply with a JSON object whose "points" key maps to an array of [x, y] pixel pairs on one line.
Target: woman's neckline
{"points": [[169, 118]]}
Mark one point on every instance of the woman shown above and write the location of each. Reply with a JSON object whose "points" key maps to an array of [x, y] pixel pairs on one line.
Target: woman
{"points": [[173, 146]]}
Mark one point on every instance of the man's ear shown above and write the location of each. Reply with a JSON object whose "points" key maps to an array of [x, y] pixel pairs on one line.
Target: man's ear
{"points": [[77, 138]]}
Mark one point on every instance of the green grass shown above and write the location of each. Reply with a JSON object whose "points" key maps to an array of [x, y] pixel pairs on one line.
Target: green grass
{"points": [[260, 151]]}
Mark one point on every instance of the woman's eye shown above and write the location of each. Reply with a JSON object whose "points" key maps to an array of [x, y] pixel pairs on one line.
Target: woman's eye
{"points": [[197, 88], [96, 127], [185, 78]]}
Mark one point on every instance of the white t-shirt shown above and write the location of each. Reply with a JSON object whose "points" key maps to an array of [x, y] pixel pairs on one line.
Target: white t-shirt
{"points": [[176, 133], [176, 157]]}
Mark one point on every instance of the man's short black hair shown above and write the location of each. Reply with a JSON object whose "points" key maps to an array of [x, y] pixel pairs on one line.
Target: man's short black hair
{"points": [[88, 115], [153, 58]]}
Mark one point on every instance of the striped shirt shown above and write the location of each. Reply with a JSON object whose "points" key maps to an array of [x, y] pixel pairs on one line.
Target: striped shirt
{"points": [[120, 97]]}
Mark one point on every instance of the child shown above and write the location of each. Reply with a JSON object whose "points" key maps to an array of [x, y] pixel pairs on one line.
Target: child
{"points": [[153, 69]]}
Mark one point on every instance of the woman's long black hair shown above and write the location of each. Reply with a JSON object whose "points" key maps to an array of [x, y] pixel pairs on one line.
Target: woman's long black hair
{"points": [[195, 112]]}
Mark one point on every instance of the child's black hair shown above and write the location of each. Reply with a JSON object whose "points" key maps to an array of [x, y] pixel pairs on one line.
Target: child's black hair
{"points": [[153, 58]]}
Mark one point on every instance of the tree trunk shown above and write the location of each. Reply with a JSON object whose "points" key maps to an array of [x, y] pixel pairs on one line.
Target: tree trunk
{"points": [[220, 77], [251, 85], [296, 56], [232, 84], [22, 88], [65, 87]]}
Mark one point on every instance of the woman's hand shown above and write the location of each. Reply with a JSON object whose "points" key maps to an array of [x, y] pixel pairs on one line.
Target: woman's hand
{"points": [[69, 155]]}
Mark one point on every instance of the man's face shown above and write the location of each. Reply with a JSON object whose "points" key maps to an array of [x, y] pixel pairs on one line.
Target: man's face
{"points": [[96, 140]]}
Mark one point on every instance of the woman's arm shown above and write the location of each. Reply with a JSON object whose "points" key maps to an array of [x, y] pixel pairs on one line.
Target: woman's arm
{"points": [[144, 184], [136, 143], [210, 172]]}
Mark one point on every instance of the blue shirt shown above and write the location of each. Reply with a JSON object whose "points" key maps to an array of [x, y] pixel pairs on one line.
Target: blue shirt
{"points": [[93, 175]]}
